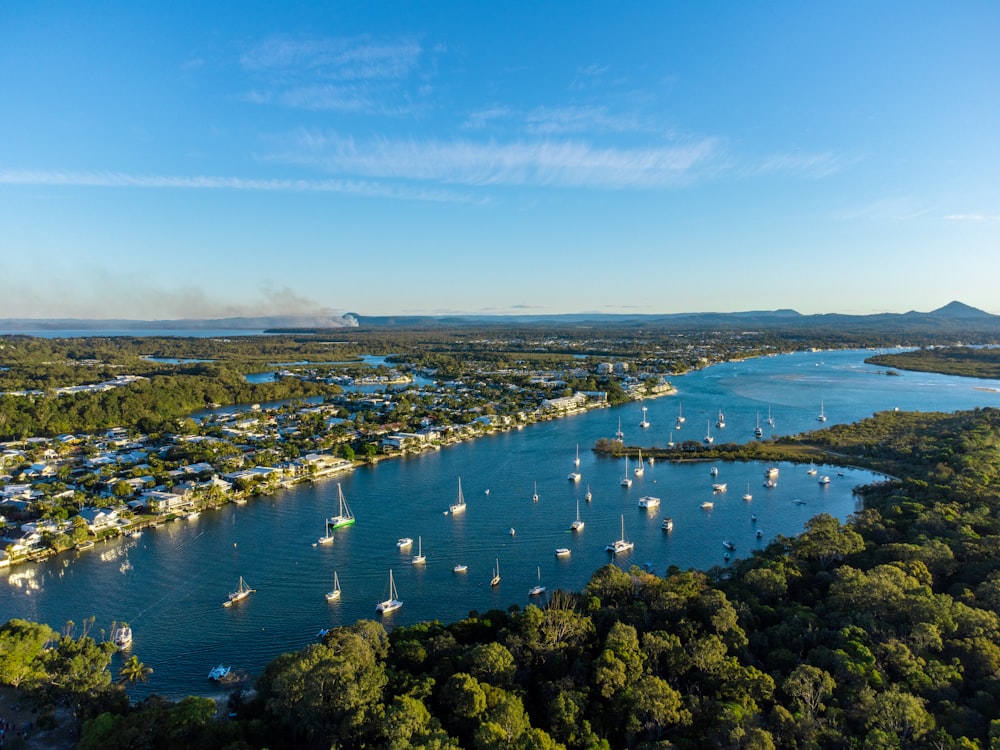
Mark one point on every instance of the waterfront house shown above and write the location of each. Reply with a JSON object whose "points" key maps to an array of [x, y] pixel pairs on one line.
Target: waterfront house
{"points": [[99, 519]]}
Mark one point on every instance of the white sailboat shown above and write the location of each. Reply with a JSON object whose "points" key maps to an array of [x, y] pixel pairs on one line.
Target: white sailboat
{"points": [[748, 497], [539, 589], [459, 506], [644, 423], [757, 431], [620, 436], [626, 479], [639, 469], [670, 443], [577, 525], [334, 594], [770, 419], [589, 496], [708, 435], [620, 545], [344, 516], [721, 422], [534, 496], [576, 461], [327, 537], [420, 558], [495, 581], [822, 416], [680, 414], [241, 593], [392, 603]]}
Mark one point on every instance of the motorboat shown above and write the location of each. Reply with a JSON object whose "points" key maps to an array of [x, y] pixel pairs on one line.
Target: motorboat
{"points": [[649, 502]]}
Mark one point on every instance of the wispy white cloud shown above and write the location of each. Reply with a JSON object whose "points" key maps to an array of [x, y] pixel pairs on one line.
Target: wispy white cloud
{"points": [[334, 59], [57, 178], [588, 77], [588, 119], [339, 75], [483, 118], [541, 163], [548, 121], [810, 165], [973, 217]]}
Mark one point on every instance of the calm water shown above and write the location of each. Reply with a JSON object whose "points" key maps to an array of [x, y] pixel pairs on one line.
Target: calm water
{"points": [[169, 584]]}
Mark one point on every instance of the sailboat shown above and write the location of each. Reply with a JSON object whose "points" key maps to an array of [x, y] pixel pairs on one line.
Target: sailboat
{"points": [[644, 423], [334, 595], [574, 476], [748, 497], [670, 443], [639, 469], [757, 431], [708, 435], [770, 419], [620, 545], [241, 593], [392, 603], [327, 537], [420, 558], [458, 507], [620, 436], [680, 414], [626, 479], [539, 589], [344, 517], [577, 525], [534, 497], [721, 422], [495, 581], [589, 496], [822, 416]]}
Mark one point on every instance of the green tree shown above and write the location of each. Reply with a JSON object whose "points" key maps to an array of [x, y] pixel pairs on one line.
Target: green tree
{"points": [[133, 670], [21, 647]]}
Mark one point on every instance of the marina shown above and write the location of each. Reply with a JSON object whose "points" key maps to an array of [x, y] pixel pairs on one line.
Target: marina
{"points": [[175, 574]]}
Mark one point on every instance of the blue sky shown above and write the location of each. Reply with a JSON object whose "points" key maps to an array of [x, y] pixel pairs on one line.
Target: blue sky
{"points": [[200, 159]]}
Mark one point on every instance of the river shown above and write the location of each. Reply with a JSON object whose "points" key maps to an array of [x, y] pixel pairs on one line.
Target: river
{"points": [[169, 584]]}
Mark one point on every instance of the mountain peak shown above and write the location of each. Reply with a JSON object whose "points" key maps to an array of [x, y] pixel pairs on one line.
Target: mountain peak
{"points": [[955, 309]]}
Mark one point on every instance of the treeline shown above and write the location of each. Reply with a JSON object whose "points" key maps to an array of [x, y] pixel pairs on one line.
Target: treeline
{"points": [[952, 360], [880, 633], [147, 406]]}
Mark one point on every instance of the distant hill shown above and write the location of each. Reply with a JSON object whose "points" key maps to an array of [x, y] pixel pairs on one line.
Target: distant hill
{"points": [[960, 310], [955, 321]]}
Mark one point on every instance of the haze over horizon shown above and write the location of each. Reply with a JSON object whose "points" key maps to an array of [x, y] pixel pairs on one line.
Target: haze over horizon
{"points": [[197, 161]]}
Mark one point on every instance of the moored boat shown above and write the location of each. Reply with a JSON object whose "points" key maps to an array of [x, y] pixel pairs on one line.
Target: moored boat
{"points": [[392, 603], [121, 636], [344, 517], [621, 545], [334, 594], [242, 592]]}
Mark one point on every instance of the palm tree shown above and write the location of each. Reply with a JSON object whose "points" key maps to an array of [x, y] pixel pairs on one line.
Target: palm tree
{"points": [[133, 671]]}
